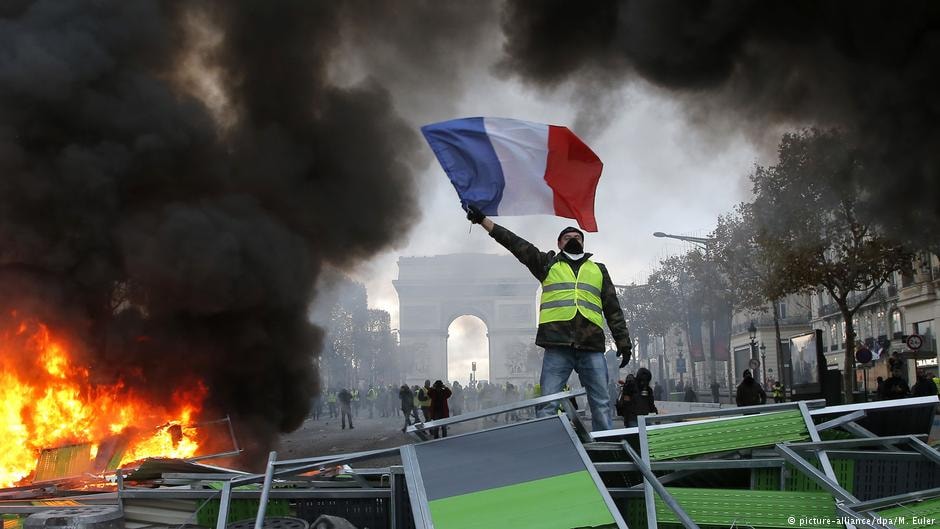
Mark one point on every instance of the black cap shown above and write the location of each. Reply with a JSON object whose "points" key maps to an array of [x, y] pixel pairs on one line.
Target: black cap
{"points": [[747, 373], [570, 229]]}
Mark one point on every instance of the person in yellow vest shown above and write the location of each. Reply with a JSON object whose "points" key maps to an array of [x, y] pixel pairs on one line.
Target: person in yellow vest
{"points": [[355, 402], [331, 402], [577, 296], [424, 400], [777, 392], [371, 397], [417, 400]]}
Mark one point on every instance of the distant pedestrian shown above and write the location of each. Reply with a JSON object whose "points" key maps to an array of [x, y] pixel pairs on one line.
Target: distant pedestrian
{"points": [[895, 387], [371, 397], [895, 363], [777, 392], [331, 402], [345, 408], [384, 395], [657, 391], [406, 397], [715, 389], [316, 407], [924, 387], [690, 395], [749, 392], [637, 397], [439, 393], [880, 388], [425, 400], [355, 401]]}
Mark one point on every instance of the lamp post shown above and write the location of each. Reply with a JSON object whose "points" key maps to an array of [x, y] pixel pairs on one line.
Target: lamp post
{"points": [[680, 361], [752, 332], [704, 241], [663, 383], [763, 364], [705, 244]]}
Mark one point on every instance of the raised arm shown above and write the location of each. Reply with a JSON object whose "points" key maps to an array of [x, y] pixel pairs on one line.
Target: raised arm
{"points": [[527, 253]]}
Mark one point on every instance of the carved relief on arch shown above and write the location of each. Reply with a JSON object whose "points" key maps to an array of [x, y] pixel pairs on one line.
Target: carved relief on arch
{"points": [[523, 358]]}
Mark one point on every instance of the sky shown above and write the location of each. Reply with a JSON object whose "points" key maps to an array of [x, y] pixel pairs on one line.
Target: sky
{"points": [[662, 172]]}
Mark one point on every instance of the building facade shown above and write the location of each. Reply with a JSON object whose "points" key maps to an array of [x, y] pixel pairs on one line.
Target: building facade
{"points": [[794, 315], [907, 304]]}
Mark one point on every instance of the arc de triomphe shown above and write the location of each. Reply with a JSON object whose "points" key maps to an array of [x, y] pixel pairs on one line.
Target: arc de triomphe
{"points": [[434, 291]]}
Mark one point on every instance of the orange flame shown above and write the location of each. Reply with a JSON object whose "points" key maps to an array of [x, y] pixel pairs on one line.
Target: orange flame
{"points": [[48, 400]]}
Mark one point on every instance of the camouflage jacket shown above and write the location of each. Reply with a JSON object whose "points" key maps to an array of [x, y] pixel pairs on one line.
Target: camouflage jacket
{"points": [[579, 332]]}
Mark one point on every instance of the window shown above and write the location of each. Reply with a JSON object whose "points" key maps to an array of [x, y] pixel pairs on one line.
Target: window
{"points": [[842, 338], [907, 279], [880, 318], [925, 329], [782, 310], [833, 337], [896, 324]]}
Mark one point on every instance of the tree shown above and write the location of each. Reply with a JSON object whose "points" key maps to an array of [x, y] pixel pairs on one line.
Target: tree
{"points": [[810, 223], [756, 275]]}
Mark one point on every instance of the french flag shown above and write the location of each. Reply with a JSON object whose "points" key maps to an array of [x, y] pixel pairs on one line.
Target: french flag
{"points": [[512, 167]]}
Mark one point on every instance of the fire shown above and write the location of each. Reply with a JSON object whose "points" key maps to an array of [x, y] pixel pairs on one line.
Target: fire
{"points": [[47, 400]]}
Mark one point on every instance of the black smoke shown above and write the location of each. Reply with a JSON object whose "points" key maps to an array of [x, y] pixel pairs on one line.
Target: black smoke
{"points": [[177, 234], [871, 68]]}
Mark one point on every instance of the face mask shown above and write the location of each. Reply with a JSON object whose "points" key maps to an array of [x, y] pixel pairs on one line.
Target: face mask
{"points": [[573, 246]]}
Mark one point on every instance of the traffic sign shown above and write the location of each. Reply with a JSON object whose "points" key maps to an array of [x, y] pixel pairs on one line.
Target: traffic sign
{"points": [[915, 342], [863, 355]]}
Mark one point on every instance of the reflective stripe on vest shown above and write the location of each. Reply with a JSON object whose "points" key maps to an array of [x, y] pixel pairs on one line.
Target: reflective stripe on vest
{"points": [[564, 295]]}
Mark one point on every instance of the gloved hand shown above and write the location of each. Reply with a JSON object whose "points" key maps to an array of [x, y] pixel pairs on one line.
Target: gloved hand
{"points": [[474, 214], [624, 354]]}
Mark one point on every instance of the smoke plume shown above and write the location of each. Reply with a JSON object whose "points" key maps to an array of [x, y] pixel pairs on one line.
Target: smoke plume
{"points": [[174, 176], [868, 67]]}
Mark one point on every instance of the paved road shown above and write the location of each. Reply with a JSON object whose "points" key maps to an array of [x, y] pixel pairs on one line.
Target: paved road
{"points": [[325, 437]]}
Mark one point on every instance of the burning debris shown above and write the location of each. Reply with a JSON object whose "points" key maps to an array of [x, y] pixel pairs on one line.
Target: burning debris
{"points": [[50, 400], [174, 174]]}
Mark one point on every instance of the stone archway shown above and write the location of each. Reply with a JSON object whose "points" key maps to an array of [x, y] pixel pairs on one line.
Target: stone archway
{"points": [[434, 291]]}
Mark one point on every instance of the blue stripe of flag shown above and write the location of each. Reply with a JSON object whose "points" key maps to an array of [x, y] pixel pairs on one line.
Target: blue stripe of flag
{"points": [[466, 153]]}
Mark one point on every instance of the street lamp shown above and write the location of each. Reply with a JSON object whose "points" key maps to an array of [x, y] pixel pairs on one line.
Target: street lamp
{"points": [[752, 331], [704, 241], [763, 363], [680, 361]]}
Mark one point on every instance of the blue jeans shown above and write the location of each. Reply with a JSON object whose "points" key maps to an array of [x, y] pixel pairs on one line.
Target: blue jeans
{"points": [[591, 368]]}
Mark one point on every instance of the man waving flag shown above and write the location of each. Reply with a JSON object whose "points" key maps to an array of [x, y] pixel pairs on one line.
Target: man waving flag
{"points": [[511, 167]]}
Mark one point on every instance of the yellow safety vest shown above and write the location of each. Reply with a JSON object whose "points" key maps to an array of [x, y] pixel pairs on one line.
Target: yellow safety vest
{"points": [[426, 401], [564, 295], [331, 397]]}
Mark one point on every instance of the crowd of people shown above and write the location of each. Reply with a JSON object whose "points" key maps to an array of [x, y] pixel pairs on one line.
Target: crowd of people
{"points": [[419, 403], [634, 396]]}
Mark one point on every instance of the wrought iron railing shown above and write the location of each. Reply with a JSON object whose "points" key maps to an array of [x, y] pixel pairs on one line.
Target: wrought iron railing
{"points": [[883, 294], [764, 320]]}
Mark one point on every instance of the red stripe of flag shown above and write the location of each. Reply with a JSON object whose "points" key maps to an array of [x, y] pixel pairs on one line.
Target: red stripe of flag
{"points": [[572, 171]]}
